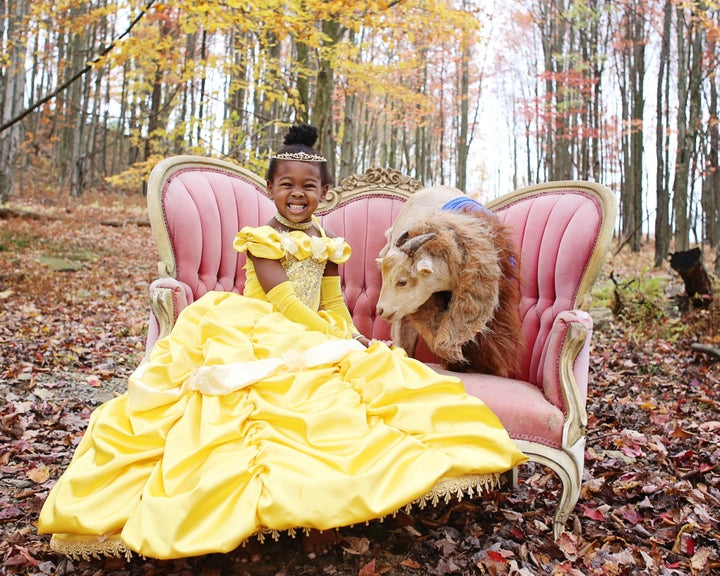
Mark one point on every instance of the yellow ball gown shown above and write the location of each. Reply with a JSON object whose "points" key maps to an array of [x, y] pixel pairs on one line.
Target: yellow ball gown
{"points": [[245, 423]]}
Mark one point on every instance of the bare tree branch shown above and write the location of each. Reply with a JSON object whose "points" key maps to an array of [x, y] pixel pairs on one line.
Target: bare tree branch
{"points": [[77, 75]]}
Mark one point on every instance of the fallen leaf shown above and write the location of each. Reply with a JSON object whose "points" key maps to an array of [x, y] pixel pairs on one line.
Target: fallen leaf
{"points": [[630, 515], [649, 562], [94, 381], [568, 544], [40, 474], [700, 558], [354, 545], [7, 512], [592, 513], [368, 569], [446, 546], [499, 555], [681, 434]]}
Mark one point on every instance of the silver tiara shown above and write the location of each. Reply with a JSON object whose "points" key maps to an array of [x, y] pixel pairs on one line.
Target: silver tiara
{"points": [[299, 156]]}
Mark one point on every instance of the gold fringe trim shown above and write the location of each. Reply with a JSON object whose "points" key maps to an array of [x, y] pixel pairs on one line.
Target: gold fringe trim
{"points": [[89, 547], [447, 489]]}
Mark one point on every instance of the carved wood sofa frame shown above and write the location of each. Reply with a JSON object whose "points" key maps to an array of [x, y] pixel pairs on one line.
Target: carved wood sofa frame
{"points": [[563, 231]]}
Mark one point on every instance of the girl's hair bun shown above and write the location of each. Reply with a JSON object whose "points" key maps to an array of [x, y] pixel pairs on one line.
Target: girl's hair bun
{"points": [[301, 134]]}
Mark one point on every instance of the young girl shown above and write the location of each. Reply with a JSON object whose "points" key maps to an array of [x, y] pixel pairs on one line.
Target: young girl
{"points": [[268, 412]]}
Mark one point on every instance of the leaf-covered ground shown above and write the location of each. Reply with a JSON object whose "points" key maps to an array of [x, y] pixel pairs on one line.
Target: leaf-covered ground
{"points": [[73, 308]]}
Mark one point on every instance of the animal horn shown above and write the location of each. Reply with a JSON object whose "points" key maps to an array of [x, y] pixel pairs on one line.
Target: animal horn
{"points": [[412, 245]]}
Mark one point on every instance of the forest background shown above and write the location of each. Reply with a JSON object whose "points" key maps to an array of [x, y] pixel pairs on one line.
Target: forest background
{"points": [[483, 95]]}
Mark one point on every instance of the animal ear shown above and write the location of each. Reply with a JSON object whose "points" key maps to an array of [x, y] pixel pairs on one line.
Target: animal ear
{"points": [[384, 250], [402, 239], [424, 266], [412, 245]]}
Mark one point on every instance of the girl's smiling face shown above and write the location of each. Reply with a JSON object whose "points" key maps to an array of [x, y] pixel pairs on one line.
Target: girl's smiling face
{"points": [[297, 189]]}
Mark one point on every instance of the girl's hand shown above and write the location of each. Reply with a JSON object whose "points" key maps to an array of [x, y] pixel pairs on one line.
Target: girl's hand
{"points": [[360, 338], [367, 343]]}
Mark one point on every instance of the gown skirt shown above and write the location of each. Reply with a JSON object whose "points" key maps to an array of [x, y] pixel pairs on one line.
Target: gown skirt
{"points": [[242, 422]]}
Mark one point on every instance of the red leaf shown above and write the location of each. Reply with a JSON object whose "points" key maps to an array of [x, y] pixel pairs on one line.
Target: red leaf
{"points": [[368, 569], [592, 513], [631, 515], [683, 457], [496, 557], [687, 544]]}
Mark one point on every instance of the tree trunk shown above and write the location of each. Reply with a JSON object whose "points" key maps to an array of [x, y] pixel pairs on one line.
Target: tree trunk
{"points": [[637, 134], [631, 76], [236, 93], [75, 125], [636, 73], [713, 188], [322, 113], [154, 113], [711, 180], [12, 93], [421, 159], [662, 196], [689, 77], [201, 100], [463, 138], [348, 143], [302, 85]]}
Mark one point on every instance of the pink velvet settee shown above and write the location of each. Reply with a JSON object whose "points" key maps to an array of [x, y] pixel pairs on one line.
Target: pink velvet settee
{"points": [[563, 231]]}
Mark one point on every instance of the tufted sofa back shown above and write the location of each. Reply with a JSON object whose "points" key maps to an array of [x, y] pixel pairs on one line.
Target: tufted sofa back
{"points": [[560, 230], [202, 207]]}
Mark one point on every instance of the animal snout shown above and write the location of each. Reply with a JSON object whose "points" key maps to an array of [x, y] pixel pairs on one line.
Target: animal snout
{"points": [[383, 313]]}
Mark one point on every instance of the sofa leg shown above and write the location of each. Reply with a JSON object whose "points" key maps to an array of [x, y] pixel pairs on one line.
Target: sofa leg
{"points": [[567, 470], [566, 504]]}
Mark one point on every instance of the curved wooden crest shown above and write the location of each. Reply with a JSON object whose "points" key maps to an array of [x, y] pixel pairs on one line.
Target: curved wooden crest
{"points": [[386, 181]]}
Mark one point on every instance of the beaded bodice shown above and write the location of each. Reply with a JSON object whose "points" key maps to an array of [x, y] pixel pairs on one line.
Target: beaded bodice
{"points": [[306, 276], [303, 257]]}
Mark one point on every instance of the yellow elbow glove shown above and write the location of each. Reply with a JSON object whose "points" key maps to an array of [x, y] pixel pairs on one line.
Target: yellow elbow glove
{"points": [[283, 297], [331, 298]]}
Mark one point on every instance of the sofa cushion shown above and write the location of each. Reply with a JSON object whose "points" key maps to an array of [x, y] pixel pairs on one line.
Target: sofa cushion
{"points": [[522, 408]]}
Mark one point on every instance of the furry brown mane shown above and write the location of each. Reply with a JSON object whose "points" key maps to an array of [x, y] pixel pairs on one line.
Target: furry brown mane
{"points": [[479, 328]]}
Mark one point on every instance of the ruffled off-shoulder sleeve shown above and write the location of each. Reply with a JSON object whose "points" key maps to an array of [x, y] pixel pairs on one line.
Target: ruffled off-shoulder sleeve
{"points": [[263, 242], [266, 242]]}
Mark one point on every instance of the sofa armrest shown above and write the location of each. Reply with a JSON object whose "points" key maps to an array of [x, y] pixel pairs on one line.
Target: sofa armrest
{"points": [[167, 298], [566, 370]]}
